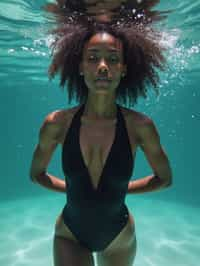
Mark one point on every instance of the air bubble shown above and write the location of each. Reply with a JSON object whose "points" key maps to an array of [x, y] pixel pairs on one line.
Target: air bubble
{"points": [[24, 48], [11, 51], [140, 15], [134, 11]]}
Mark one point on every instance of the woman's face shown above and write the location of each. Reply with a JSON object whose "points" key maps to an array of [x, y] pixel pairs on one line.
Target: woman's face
{"points": [[103, 64]]}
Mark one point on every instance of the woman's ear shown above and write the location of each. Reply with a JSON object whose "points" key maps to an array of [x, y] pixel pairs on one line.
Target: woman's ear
{"points": [[124, 70], [81, 69]]}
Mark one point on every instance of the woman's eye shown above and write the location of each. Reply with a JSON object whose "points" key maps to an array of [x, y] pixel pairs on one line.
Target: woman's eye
{"points": [[114, 59], [92, 58]]}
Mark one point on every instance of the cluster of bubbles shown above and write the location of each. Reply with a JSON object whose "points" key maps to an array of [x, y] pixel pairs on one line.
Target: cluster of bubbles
{"points": [[131, 16]]}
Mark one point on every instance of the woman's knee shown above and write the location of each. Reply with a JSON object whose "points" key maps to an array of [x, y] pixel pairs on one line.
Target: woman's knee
{"points": [[66, 252]]}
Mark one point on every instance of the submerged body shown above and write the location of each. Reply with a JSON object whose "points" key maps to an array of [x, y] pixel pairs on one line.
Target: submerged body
{"points": [[98, 161]]}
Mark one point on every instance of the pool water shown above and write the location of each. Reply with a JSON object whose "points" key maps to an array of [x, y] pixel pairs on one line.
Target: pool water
{"points": [[167, 233], [167, 221]]}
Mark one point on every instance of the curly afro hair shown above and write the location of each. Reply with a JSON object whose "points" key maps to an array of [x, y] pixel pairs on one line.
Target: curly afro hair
{"points": [[143, 53]]}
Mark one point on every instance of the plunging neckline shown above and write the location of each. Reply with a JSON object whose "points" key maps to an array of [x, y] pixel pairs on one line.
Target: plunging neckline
{"points": [[100, 178]]}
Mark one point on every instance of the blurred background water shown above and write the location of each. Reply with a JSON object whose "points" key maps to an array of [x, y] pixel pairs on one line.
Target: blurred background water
{"points": [[27, 96]]}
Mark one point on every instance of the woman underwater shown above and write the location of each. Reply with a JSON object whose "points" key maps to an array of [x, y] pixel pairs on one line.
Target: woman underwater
{"points": [[102, 63]]}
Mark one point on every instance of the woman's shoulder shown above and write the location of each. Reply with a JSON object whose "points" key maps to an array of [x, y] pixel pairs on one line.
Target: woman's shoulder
{"points": [[56, 122], [139, 122], [60, 116], [136, 117]]}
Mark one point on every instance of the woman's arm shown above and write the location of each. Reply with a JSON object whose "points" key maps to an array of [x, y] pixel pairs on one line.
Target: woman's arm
{"points": [[149, 142], [42, 155]]}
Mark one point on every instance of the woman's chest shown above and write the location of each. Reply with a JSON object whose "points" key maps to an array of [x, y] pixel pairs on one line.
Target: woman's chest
{"points": [[96, 139], [96, 142]]}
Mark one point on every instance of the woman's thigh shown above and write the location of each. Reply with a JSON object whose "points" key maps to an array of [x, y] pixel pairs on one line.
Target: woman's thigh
{"points": [[66, 252], [120, 257], [66, 249], [122, 249]]}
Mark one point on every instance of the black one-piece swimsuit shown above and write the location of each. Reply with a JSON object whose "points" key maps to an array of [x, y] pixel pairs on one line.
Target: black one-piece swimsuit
{"points": [[96, 216]]}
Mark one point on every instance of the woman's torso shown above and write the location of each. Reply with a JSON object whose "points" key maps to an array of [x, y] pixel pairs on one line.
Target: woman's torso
{"points": [[90, 135]]}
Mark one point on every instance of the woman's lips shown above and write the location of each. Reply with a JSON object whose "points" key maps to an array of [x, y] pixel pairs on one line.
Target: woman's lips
{"points": [[102, 82], [103, 79]]}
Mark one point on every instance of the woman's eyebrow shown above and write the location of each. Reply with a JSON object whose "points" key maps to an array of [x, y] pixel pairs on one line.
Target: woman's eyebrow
{"points": [[97, 50], [91, 4]]}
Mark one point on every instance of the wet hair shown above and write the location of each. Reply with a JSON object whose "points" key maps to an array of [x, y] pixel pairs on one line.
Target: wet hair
{"points": [[140, 10], [142, 51]]}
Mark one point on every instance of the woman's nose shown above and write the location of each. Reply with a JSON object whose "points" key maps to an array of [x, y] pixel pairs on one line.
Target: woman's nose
{"points": [[103, 68]]}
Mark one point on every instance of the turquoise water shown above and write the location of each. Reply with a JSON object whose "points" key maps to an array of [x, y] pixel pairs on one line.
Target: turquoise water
{"points": [[167, 221]]}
